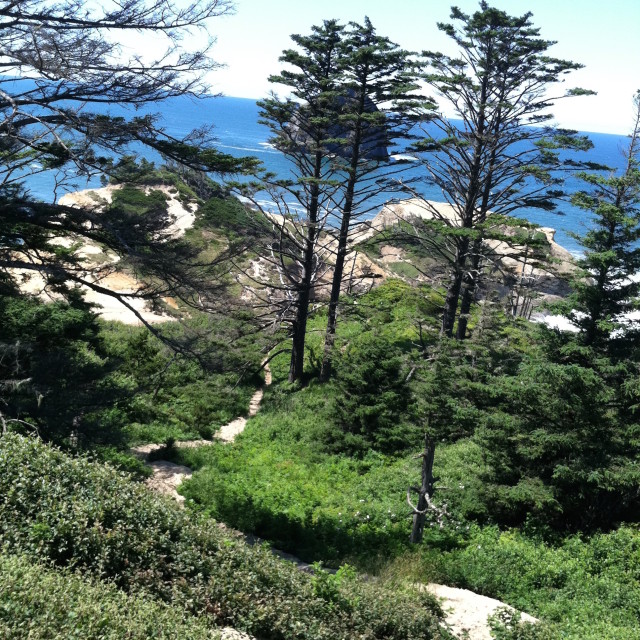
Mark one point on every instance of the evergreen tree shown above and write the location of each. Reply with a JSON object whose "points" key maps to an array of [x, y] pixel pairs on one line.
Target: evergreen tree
{"points": [[502, 157], [607, 287], [302, 129], [560, 443], [379, 108], [337, 135], [53, 367]]}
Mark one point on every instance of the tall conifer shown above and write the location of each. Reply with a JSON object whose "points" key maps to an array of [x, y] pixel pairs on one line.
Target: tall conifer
{"points": [[608, 286], [381, 106], [501, 156], [353, 96], [301, 128]]}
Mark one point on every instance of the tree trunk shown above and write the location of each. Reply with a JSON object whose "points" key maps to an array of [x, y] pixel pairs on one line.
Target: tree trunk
{"points": [[453, 291], [470, 285], [451, 305], [425, 492], [336, 286], [296, 367], [465, 308], [338, 272]]}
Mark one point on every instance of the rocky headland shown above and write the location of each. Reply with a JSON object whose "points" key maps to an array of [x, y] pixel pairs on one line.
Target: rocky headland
{"points": [[391, 258]]}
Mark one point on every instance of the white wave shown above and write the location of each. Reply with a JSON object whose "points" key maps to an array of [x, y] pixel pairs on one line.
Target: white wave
{"points": [[290, 206], [266, 203], [403, 156], [555, 322], [253, 150]]}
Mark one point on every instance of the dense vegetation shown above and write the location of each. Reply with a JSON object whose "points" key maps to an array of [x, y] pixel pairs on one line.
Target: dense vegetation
{"points": [[323, 469], [69, 512], [295, 477], [37, 602], [536, 431], [115, 383]]}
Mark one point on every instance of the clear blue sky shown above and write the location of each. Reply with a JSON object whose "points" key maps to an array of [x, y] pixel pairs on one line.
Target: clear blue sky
{"points": [[604, 36]]}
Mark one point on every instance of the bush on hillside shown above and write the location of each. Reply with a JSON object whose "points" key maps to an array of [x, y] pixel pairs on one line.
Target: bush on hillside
{"points": [[374, 397], [53, 366], [72, 513], [39, 603], [232, 218], [583, 588]]}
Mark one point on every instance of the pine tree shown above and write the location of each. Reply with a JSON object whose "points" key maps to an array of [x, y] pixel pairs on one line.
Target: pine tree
{"points": [[337, 136], [503, 156], [607, 287], [302, 129], [380, 107]]}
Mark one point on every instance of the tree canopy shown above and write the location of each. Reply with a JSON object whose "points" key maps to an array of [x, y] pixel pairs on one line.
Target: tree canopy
{"points": [[61, 61], [504, 155], [303, 129], [607, 288]]}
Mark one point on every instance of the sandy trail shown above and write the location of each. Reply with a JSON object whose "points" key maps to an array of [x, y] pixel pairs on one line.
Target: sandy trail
{"points": [[228, 432], [168, 475], [466, 612]]}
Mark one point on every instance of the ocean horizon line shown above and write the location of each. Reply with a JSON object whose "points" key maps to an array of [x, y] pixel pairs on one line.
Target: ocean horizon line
{"points": [[561, 126]]}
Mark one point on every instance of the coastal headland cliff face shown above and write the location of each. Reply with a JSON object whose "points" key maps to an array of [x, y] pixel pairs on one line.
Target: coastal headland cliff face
{"points": [[548, 277], [375, 138], [378, 250], [103, 266]]}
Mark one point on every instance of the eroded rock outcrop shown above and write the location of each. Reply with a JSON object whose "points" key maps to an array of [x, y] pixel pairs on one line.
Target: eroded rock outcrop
{"points": [[548, 278]]}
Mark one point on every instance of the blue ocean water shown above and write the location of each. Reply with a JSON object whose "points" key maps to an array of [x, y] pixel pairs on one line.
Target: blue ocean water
{"points": [[238, 133]]}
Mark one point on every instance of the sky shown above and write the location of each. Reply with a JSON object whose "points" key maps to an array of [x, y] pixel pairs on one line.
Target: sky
{"points": [[601, 35]]}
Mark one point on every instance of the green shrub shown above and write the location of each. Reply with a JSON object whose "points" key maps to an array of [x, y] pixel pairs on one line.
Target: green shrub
{"points": [[373, 398], [41, 604], [278, 480], [330, 509], [123, 461], [135, 201], [187, 184], [506, 625], [232, 218], [72, 513], [586, 589]]}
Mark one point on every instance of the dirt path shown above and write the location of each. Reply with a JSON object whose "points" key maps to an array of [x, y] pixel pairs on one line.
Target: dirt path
{"points": [[168, 475], [466, 612], [228, 432]]}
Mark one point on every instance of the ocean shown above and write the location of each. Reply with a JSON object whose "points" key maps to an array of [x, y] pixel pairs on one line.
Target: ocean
{"points": [[238, 133]]}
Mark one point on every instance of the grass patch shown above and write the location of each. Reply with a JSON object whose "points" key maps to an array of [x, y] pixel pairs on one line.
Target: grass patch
{"points": [[404, 269], [278, 480]]}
